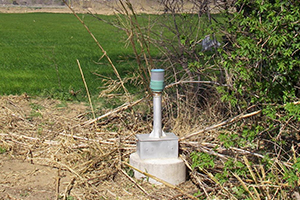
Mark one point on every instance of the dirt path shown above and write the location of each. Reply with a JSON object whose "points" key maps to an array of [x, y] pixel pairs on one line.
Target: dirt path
{"points": [[22, 180]]}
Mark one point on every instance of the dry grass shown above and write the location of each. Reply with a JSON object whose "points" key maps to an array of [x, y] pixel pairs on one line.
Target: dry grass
{"points": [[75, 158], [47, 132]]}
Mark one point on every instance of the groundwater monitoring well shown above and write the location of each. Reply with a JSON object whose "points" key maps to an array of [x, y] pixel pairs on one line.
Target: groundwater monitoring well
{"points": [[157, 152]]}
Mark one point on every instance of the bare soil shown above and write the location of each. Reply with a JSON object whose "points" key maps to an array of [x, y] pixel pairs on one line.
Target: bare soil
{"points": [[23, 180]]}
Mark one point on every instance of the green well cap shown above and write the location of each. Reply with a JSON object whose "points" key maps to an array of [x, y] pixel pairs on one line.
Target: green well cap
{"points": [[157, 80]]}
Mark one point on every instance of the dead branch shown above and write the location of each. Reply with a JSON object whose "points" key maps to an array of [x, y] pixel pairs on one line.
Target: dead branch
{"points": [[119, 109], [49, 142], [224, 123], [220, 148], [203, 82], [133, 181], [102, 49]]}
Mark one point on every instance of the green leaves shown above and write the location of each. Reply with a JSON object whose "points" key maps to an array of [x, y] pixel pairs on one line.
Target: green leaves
{"points": [[202, 160], [264, 65], [2, 150]]}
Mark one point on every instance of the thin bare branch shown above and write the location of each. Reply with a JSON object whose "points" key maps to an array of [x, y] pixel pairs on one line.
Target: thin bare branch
{"points": [[133, 181], [203, 82], [224, 123], [102, 49], [87, 89], [119, 109]]}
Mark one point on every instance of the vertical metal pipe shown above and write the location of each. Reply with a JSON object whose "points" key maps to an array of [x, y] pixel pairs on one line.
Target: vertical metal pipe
{"points": [[157, 119], [157, 127]]}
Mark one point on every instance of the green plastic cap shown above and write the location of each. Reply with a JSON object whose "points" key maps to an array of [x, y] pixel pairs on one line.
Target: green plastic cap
{"points": [[157, 80]]}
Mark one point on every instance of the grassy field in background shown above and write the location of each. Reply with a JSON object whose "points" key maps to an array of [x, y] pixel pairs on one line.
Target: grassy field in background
{"points": [[38, 53]]}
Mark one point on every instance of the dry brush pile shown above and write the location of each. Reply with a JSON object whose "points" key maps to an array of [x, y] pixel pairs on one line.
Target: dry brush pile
{"points": [[61, 135], [47, 132]]}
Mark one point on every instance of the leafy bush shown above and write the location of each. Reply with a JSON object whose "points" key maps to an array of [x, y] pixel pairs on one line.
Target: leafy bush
{"points": [[263, 66], [259, 68]]}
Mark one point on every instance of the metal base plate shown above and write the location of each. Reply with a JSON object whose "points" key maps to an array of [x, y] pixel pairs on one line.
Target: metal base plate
{"points": [[157, 148]]}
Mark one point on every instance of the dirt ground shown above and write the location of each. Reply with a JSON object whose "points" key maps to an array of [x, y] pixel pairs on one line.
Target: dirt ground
{"points": [[22, 180]]}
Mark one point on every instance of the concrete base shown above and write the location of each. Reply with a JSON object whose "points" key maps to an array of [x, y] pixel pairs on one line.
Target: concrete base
{"points": [[171, 170]]}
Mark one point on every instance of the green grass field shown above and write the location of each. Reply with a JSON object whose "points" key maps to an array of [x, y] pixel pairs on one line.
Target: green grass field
{"points": [[38, 53]]}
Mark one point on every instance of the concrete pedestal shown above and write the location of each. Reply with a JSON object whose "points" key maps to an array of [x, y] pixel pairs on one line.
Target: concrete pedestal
{"points": [[171, 170]]}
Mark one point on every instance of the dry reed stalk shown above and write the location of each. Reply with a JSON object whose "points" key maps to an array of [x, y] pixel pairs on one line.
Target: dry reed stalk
{"points": [[196, 177], [54, 147], [54, 142], [134, 29], [59, 165], [87, 90], [220, 148], [90, 100], [58, 179], [250, 169], [203, 82], [214, 179], [87, 139], [49, 142], [68, 189], [134, 182], [102, 49], [64, 166], [224, 123], [244, 186], [119, 109], [262, 177], [252, 174]]}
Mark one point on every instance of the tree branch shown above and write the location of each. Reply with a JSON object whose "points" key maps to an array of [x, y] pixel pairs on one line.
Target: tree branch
{"points": [[224, 123]]}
